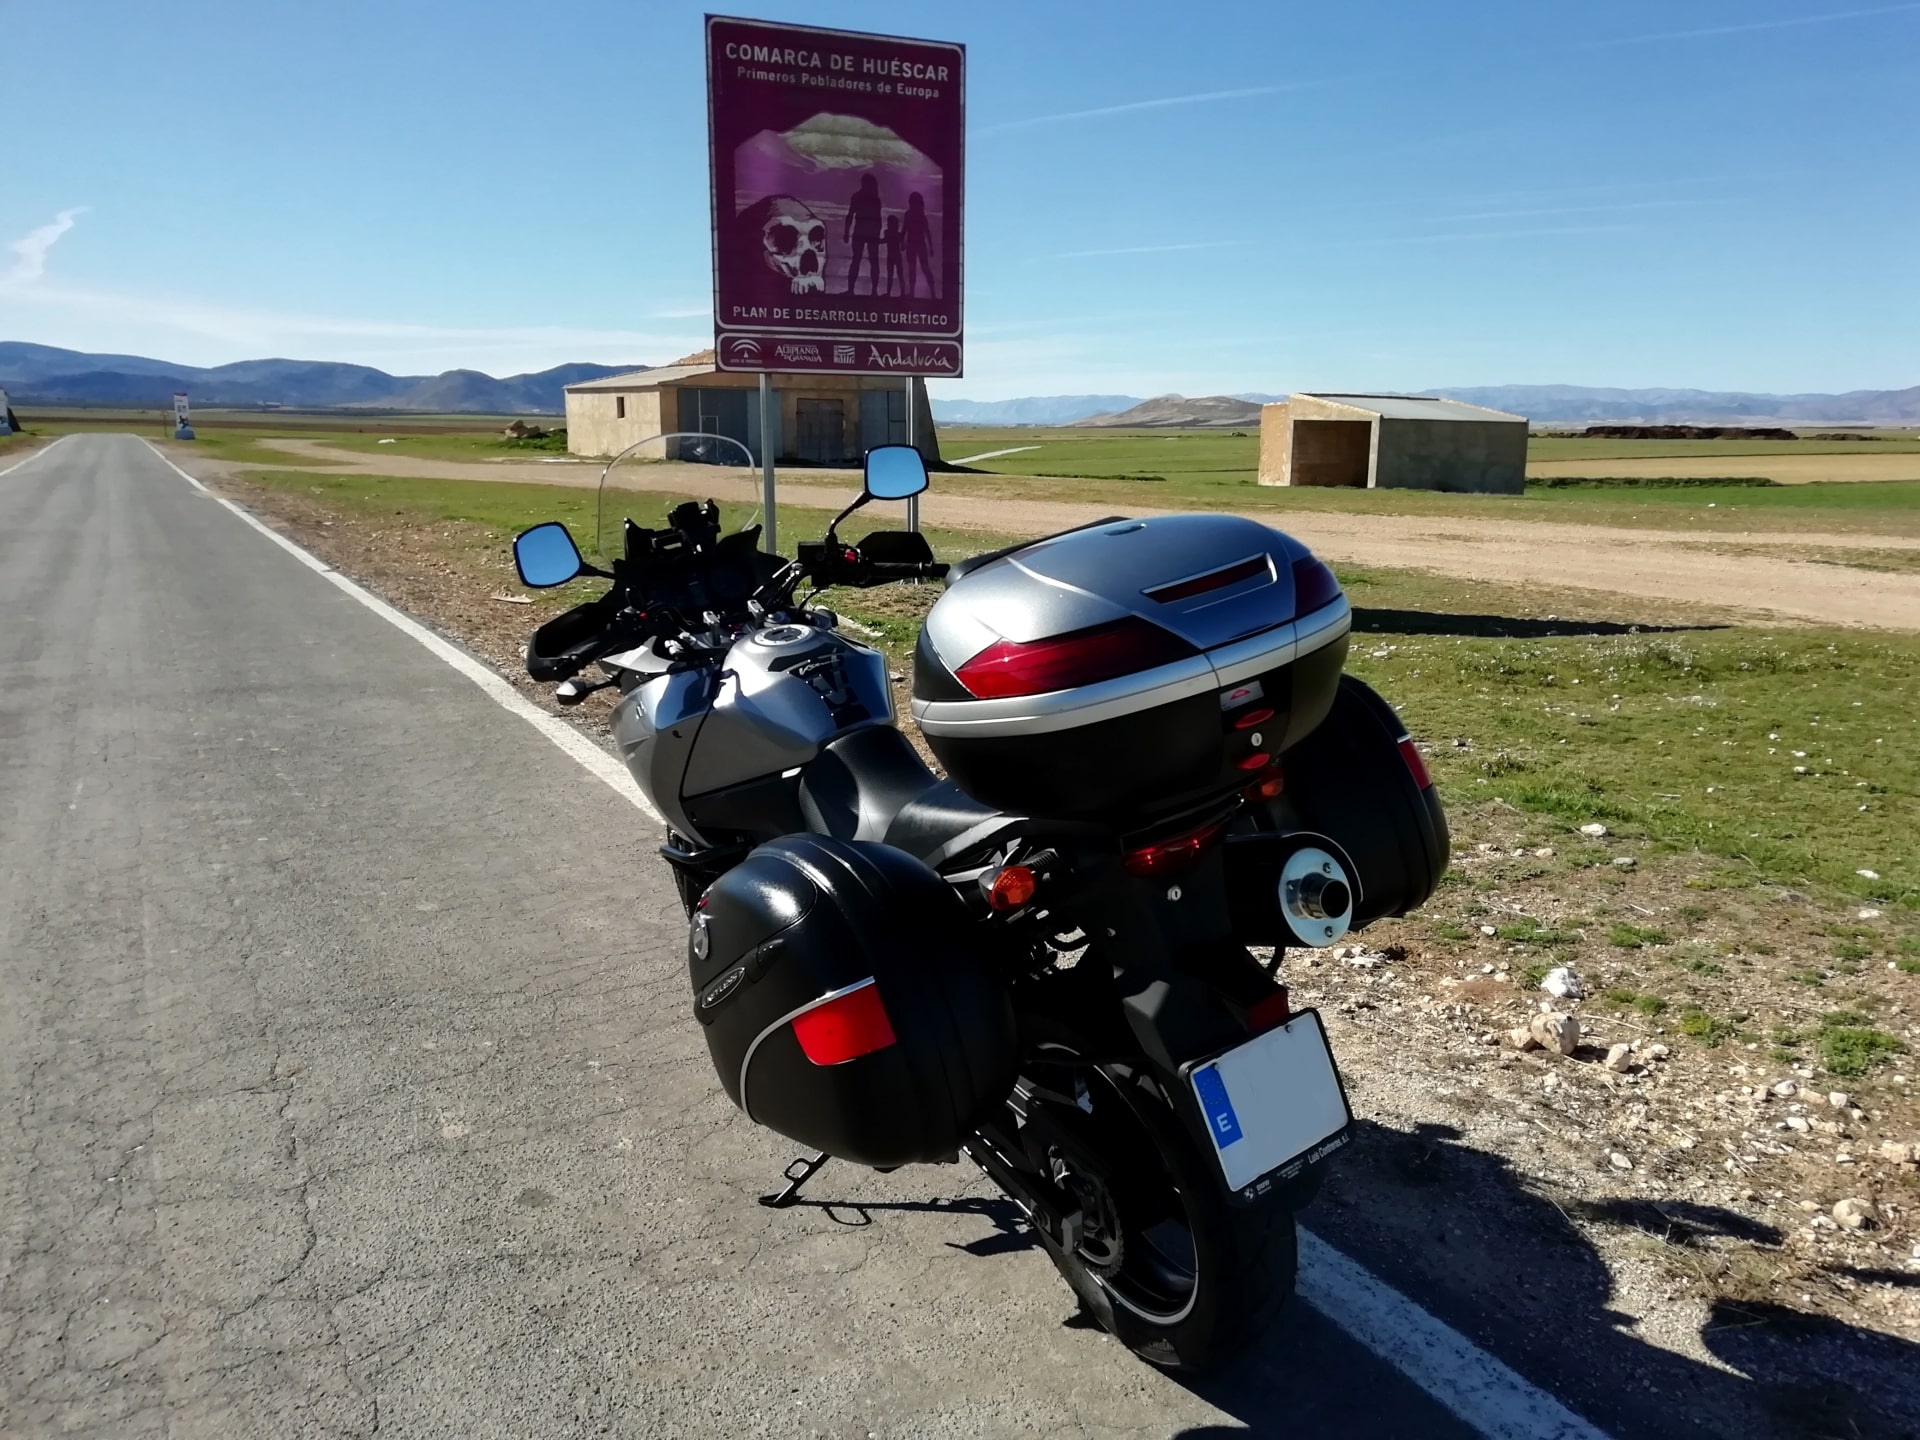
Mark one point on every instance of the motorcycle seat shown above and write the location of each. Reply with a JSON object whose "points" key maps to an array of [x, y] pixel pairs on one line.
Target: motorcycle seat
{"points": [[944, 822], [871, 784]]}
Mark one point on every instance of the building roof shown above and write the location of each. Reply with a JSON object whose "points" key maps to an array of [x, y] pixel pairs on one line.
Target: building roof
{"points": [[644, 379], [1415, 407]]}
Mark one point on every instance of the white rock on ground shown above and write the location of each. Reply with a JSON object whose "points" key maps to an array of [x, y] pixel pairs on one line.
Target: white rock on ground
{"points": [[1839, 1099], [1619, 1161], [1620, 1058], [1856, 1214], [1521, 1038], [1557, 1032], [1786, 1089], [1657, 1051], [1623, 862], [1595, 830], [1563, 984]]}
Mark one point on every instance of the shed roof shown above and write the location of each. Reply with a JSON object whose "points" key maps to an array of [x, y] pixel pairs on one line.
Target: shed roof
{"points": [[1416, 407], [644, 379]]}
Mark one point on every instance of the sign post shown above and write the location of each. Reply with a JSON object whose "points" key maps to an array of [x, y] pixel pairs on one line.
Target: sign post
{"points": [[837, 161], [6, 414], [182, 428], [769, 536]]}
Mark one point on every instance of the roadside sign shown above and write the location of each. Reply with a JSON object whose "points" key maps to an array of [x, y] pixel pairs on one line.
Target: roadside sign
{"points": [[6, 414], [837, 162], [182, 427]]}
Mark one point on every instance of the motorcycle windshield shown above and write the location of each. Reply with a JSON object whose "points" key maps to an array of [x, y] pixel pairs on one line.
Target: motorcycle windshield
{"points": [[650, 476]]}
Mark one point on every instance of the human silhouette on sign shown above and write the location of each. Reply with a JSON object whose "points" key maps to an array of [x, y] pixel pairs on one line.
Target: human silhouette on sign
{"points": [[919, 241], [863, 228], [892, 245]]}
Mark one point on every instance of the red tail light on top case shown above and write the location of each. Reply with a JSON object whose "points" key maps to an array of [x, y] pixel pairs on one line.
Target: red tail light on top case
{"points": [[844, 1028], [1416, 763], [1066, 662], [1314, 585]]}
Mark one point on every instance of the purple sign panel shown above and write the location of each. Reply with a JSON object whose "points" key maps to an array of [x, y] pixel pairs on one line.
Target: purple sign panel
{"points": [[837, 161]]}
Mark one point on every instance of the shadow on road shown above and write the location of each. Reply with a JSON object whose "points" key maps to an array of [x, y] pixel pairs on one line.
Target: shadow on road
{"points": [[1496, 627], [1499, 1258], [1010, 1229]]}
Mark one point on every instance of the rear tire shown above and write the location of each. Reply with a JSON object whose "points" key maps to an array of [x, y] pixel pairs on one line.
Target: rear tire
{"points": [[1241, 1260]]}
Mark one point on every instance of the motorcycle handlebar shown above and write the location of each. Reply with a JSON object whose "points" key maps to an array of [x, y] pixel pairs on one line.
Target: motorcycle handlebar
{"points": [[916, 570]]}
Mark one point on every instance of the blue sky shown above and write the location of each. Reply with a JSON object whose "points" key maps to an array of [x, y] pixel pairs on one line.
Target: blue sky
{"points": [[1201, 198]]}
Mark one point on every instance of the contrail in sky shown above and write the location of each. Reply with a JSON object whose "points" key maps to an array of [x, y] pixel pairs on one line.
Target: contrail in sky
{"points": [[1755, 25], [1169, 101]]}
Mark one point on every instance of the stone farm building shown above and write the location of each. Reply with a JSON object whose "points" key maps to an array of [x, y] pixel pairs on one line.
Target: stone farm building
{"points": [[823, 419], [1392, 442]]}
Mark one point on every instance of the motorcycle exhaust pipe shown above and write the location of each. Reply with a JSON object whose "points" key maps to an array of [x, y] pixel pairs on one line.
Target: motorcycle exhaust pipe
{"points": [[1295, 890]]}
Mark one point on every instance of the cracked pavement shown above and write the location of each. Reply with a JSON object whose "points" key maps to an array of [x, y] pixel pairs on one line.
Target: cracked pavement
{"points": [[348, 1081]]}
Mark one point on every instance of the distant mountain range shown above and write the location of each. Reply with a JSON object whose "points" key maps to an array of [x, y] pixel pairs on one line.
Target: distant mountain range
{"points": [[45, 375], [1177, 412], [1542, 404], [1568, 404]]}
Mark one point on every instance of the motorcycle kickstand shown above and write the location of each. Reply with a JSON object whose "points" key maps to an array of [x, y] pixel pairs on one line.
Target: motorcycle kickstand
{"points": [[808, 1167]]}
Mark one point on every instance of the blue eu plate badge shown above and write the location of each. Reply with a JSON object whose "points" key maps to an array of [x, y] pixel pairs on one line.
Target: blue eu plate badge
{"points": [[1218, 1105]]}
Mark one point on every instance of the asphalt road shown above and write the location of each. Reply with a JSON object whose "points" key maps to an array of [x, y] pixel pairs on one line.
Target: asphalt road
{"points": [[348, 1082]]}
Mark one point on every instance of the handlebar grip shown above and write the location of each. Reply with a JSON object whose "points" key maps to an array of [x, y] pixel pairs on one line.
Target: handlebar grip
{"points": [[881, 570]]}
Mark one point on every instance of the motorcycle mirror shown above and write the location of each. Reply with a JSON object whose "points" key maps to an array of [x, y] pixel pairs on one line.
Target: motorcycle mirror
{"points": [[895, 472], [546, 556]]}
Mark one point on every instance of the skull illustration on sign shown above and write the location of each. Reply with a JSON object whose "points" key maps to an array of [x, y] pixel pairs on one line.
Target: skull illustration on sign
{"points": [[792, 241]]}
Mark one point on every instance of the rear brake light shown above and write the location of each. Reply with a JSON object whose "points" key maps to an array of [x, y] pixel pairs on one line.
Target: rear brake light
{"points": [[844, 1027], [1267, 787], [1012, 888], [1410, 753], [1171, 857], [1314, 585], [1064, 662], [1270, 1013]]}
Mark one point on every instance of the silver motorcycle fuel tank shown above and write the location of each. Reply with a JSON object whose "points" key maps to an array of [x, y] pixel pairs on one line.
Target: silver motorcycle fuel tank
{"points": [[782, 694]]}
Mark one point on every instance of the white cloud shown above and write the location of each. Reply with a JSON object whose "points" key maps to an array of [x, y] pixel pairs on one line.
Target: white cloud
{"points": [[30, 250]]}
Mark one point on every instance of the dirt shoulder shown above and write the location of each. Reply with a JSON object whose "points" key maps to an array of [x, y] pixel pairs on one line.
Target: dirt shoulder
{"points": [[1648, 564]]}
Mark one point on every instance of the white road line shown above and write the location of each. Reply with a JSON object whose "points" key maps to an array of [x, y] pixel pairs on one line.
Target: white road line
{"points": [[994, 454], [1479, 1389], [33, 457], [603, 765]]}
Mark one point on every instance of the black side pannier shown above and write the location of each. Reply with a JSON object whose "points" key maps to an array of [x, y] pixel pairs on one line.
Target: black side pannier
{"points": [[1359, 780], [842, 1004]]}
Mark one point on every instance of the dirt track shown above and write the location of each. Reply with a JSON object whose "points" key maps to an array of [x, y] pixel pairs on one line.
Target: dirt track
{"points": [[1650, 564]]}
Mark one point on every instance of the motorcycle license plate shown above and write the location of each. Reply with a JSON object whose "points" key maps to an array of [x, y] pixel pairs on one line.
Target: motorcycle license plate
{"points": [[1272, 1104]]}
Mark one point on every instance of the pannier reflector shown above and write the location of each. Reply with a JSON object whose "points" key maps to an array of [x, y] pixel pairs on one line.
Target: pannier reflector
{"points": [[1314, 585], [1171, 857], [1268, 787], [1410, 753], [1252, 718], [845, 1027], [1217, 580], [1065, 662]]}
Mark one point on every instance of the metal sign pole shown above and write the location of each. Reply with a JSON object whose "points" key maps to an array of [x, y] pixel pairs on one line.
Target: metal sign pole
{"points": [[770, 536], [913, 501]]}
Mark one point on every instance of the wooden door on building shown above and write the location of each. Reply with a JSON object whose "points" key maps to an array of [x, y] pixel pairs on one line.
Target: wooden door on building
{"points": [[821, 427]]}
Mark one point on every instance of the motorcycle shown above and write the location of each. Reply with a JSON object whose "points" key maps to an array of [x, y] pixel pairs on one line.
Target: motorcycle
{"points": [[1045, 961]]}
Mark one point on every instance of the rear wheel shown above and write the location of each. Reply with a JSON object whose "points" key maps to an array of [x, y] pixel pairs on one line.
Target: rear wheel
{"points": [[1162, 1260]]}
